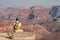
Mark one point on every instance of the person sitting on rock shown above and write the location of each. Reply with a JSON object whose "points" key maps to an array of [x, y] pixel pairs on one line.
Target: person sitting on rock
{"points": [[17, 25]]}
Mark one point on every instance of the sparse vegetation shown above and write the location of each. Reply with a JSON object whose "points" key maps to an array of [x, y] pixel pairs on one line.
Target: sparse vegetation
{"points": [[58, 16], [9, 16], [31, 16], [54, 11], [10, 35]]}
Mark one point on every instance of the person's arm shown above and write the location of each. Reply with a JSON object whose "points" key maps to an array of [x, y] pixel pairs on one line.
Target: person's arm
{"points": [[14, 27], [14, 23], [19, 24]]}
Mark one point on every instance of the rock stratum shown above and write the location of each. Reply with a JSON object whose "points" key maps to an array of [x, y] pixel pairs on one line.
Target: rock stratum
{"points": [[44, 22], [18, 36]]}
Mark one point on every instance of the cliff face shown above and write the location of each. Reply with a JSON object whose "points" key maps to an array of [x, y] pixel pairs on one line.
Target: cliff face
{"points": [[49, 17], [18, 36], [44, 22]]}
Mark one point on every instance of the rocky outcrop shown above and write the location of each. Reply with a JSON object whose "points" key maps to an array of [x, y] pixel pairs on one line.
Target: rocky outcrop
{"points": [[18, 36]]}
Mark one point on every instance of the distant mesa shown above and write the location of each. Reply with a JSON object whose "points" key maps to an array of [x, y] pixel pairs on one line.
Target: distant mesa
{"points": [[22, 7], [37, 7], [11, 8]]}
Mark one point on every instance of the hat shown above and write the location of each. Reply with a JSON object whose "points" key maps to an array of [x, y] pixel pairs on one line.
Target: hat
{"points": [[17, 18]]}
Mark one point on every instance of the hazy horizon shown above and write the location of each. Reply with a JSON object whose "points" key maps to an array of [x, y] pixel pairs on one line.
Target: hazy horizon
{"points": [[27, 3]]}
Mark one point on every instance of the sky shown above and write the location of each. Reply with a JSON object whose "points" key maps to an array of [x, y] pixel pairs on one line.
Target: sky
{"points": [[27, 3]]}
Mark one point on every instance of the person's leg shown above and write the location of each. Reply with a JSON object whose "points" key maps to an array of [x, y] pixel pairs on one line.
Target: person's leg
{"points": [[18, 30]]}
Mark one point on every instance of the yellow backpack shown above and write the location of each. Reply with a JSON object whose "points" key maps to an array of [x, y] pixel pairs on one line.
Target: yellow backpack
{"points": [[17, 26]]}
